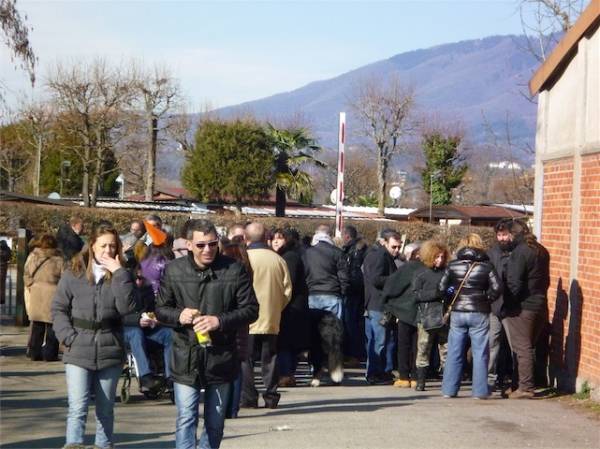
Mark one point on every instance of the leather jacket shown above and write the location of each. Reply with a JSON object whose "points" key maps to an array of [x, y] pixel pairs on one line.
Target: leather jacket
{"points": [[480, 288]]}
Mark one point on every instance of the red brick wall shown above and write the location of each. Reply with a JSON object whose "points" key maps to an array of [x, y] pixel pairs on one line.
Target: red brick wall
{"points": [[556, 237], [574, 306], [589, 267]]}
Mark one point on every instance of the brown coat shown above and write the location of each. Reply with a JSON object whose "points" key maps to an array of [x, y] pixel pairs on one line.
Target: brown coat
{"points": [[41, 285]]}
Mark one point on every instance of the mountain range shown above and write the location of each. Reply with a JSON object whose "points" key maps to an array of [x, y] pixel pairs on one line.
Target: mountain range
{"points": [[480, 83]]}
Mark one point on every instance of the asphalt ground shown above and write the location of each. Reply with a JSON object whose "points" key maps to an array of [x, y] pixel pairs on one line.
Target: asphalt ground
{"points": [[33, 411]]}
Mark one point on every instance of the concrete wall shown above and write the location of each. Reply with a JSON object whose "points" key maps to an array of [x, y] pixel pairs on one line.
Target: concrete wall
{"points": [[567, 213]]}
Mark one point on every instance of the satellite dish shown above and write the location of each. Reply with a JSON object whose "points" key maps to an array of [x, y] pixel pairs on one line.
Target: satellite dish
{"points": [[54, 196], [333, 196], [395, 192]]}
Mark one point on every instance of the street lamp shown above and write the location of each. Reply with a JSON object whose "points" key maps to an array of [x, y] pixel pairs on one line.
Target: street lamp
{"points": [[435, 174], [63, 166]]}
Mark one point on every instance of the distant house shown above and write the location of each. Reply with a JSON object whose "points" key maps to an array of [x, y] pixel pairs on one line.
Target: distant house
{"points": [[466, 215], [567, 198]]}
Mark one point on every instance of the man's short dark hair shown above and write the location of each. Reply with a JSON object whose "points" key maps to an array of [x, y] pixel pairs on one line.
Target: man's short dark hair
{"points": [[155, 218], [351, 231], [199, 225], [513, 225], [387, 234]]}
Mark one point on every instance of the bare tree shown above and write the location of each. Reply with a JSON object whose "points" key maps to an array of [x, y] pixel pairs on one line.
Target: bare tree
{"points": [[91, 101], [545, 21], [16, 37], [384, 109], [15, 157], [158, 94], [35, 130]]}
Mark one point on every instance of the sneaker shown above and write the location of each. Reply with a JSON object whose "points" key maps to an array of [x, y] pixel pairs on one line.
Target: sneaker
{"points": [[520, 394], [402, 383], [413, 384]]}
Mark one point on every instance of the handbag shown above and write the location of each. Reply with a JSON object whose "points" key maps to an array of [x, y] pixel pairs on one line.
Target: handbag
{"points": [[446, 317]]}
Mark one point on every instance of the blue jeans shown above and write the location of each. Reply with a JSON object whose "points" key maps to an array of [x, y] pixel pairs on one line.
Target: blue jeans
{"points": [[380, 358], [187, 400], [233, 407], [135, 337], [330, 303], [80, 384], [476, 327]]}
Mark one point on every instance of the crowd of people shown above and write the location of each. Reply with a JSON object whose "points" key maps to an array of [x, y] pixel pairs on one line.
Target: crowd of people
{"points": [[214, 301]]}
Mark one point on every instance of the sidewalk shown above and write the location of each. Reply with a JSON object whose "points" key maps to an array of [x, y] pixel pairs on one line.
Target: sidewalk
{"points": [[33, 409]]}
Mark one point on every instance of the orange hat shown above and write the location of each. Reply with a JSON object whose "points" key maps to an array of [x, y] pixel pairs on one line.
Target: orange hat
{"points": [[158, 236]]}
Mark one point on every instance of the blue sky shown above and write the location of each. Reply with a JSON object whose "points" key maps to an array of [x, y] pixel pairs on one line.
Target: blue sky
{"points": [[227, 52]]}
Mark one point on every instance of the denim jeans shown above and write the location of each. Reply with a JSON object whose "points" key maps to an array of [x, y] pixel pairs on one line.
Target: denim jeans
{"points": [[80, 384], [187, 400], [136, 337], [380, 347], [330, 303], [476, 327]]}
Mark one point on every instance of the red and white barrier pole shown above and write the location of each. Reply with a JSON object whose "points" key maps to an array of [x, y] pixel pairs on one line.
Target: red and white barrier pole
{"points": [[339, 220]]}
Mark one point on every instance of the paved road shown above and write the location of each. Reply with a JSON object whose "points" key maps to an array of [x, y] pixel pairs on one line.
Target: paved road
{"points": [[33, 407]]}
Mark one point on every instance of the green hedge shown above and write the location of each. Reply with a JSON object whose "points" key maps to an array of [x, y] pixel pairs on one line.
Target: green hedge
{"points": [[41, 218]]}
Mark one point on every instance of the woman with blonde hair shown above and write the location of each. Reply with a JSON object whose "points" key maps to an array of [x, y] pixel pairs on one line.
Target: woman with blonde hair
{"points": [[471, 284], [43, 269], [430, 307], [92, 297]]}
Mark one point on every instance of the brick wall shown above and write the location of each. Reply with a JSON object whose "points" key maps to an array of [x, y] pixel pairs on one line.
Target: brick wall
{"points": [[574, 305], [556, 237], [589, 267]]}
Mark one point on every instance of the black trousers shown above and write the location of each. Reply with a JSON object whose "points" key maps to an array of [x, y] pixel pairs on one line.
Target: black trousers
{"points": [[43, 344], [266, 345], [407, 350]]}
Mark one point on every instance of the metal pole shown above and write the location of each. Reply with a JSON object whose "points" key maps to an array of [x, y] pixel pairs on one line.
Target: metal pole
{"points": [[430, 197], [339, 207], [22, 250]]}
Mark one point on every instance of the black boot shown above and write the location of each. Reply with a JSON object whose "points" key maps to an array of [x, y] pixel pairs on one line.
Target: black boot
{"points": [[421, 374]]}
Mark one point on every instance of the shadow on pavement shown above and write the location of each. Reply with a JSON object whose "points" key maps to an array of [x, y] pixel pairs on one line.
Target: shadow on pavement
{"points": [[29, 373], [33, 403], [123, 440]]}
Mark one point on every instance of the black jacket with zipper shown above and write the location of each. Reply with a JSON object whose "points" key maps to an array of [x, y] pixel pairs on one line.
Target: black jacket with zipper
{"points": [[377, 268], [224, 289], [326, 270], [479, 289]]}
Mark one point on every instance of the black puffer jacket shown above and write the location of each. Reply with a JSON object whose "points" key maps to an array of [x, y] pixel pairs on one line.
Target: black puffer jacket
{"points": [[224, 290], [481, 287], [326, 270]]}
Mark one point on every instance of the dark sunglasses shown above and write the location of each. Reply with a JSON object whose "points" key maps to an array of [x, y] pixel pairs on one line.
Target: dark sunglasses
{"points": [[211, 244]]}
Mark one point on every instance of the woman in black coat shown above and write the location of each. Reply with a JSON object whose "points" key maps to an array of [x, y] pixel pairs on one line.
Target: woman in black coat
{"points": [[472, 283], [294, 334]]}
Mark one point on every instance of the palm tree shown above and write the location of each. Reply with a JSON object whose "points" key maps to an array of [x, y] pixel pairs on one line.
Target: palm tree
{"points": [[293, 148]]}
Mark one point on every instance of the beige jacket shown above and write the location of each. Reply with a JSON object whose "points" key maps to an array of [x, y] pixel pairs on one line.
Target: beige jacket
{"points": [[273, 287], [41, 286]]}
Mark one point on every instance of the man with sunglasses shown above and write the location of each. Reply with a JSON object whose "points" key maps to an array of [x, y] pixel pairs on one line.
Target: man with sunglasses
{"points": [[204, 293], [381, 341]]}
